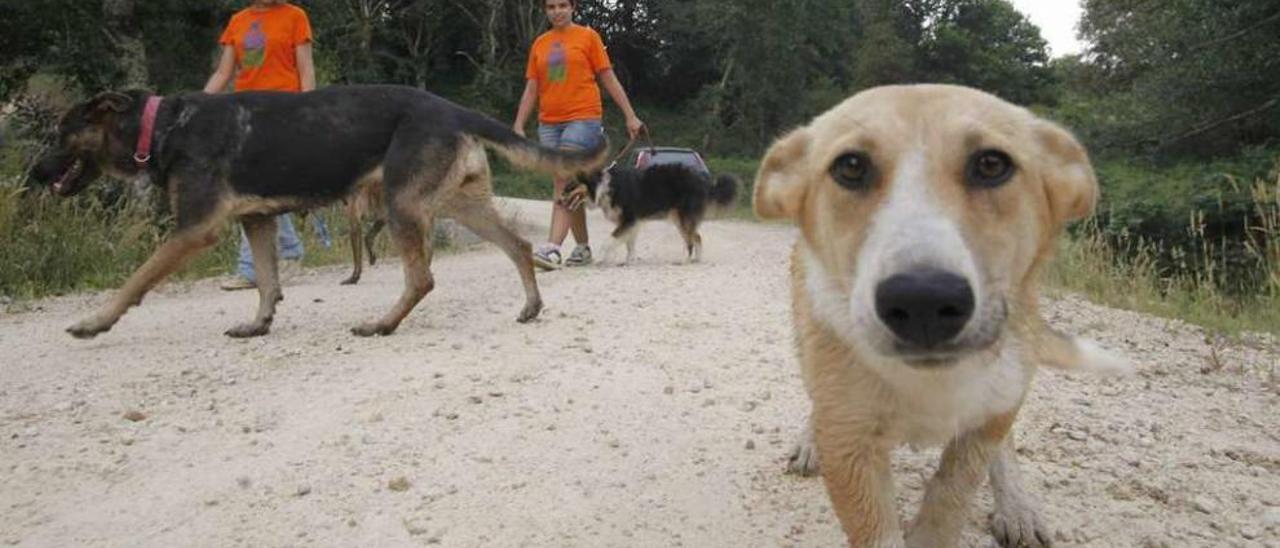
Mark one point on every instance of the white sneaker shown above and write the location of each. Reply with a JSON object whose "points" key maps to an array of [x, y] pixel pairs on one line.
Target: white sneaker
{"points": [[238, 283], [581, 256], [547, 257]]}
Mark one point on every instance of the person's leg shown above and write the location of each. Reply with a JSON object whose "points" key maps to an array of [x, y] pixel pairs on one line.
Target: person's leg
{"points": [[321, 229], [290, 246], [550, 135], [244, 277], [579, 135], [547, 255], [244, 266], [561, 218], [578, 224]]}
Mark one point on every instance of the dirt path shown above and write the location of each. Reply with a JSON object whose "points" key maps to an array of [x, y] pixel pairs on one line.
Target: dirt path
{"points": [[652, 405]]}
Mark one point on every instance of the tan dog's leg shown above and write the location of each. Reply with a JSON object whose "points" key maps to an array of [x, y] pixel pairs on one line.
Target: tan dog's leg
{"points": [[411, 229], [479, 215], [171, 256], [858, 477], [1016, 521], [261, 232], [949, 493]]}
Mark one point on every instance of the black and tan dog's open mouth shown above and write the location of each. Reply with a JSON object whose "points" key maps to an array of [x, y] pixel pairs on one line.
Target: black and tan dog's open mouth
{"points": [[63, 184]]}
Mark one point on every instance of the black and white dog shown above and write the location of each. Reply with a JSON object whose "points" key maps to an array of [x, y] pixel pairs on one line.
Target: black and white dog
{"points": [[629, 195]]}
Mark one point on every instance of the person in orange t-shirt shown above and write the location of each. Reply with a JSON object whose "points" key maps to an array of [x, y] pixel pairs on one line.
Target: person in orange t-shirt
{"points": [[267, 47], [567, 66]]}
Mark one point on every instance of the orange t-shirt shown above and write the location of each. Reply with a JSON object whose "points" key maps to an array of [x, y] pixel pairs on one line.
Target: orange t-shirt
{"points": [[265, 42], [565, 64]]}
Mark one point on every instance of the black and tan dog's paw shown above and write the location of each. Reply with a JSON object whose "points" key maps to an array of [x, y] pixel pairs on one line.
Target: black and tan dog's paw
{"points": [[373, 329], [89, 329], [530, 312], [249, 330]]}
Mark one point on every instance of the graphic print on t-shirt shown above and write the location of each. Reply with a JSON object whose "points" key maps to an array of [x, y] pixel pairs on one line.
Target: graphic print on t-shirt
{"points": [[557, 64], [255, 47]]}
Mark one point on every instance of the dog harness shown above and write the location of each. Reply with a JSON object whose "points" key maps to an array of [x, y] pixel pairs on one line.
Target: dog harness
{"points": [[142, 154]]}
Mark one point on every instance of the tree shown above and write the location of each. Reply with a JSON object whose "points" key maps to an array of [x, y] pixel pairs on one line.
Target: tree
{"points": [[1181, 77], [989, 45]]}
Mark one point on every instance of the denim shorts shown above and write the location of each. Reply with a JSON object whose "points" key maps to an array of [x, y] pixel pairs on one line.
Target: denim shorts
{"points": [[577, 134]]}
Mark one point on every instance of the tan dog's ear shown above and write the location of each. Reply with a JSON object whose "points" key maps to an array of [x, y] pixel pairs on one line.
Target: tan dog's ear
{"points": [[1069, 180], [780, 188]]}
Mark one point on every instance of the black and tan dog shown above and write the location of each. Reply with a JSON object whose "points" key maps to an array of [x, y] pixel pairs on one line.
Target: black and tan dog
{"points": [[254, 155]]}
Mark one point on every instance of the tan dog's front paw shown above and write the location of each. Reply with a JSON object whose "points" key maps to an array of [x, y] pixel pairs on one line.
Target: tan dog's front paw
{"points": [[804, 459], [1019, 527], [804, 456]]}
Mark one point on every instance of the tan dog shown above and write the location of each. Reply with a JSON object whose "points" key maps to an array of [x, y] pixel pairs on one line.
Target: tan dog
{"points": [[926, 213]]}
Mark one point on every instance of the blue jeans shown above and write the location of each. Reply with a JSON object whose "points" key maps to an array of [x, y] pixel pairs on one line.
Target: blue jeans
{"points": [[577, 134], [288, 246]]}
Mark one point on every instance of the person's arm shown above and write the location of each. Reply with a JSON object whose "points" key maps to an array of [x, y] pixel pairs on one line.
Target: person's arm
{"points": [[527, 101], [306, 66], [619, 95], [223, 73]]}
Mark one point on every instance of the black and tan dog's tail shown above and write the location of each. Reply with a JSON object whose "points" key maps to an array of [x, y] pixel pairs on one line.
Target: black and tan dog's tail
{"points": [[528, 154], [723, 194]]}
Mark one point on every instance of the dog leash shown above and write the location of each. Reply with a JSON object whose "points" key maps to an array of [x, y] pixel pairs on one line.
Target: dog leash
{"points": [[644, 130]]}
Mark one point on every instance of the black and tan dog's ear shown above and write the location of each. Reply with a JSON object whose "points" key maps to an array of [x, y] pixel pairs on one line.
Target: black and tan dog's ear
{"points": [[780, 184], [108, 102], [1070, 183]]}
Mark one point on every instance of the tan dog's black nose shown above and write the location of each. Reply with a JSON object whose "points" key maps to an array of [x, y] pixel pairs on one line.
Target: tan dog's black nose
{"points": [[925, 308]]}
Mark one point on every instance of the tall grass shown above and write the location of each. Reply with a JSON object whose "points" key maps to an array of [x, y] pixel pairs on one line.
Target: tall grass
{"points": [[52, 245], [1127, 272]]}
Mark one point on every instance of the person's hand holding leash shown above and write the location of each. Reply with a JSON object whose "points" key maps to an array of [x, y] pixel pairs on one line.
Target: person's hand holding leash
{"points": [[634, 126]]}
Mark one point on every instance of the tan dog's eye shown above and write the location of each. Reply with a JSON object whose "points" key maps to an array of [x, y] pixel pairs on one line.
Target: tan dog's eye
{"points": [[853, 170], [989, 168]]}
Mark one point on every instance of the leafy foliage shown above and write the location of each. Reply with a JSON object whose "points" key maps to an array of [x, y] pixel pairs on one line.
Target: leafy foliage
{"points": [[1180, 78]]}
